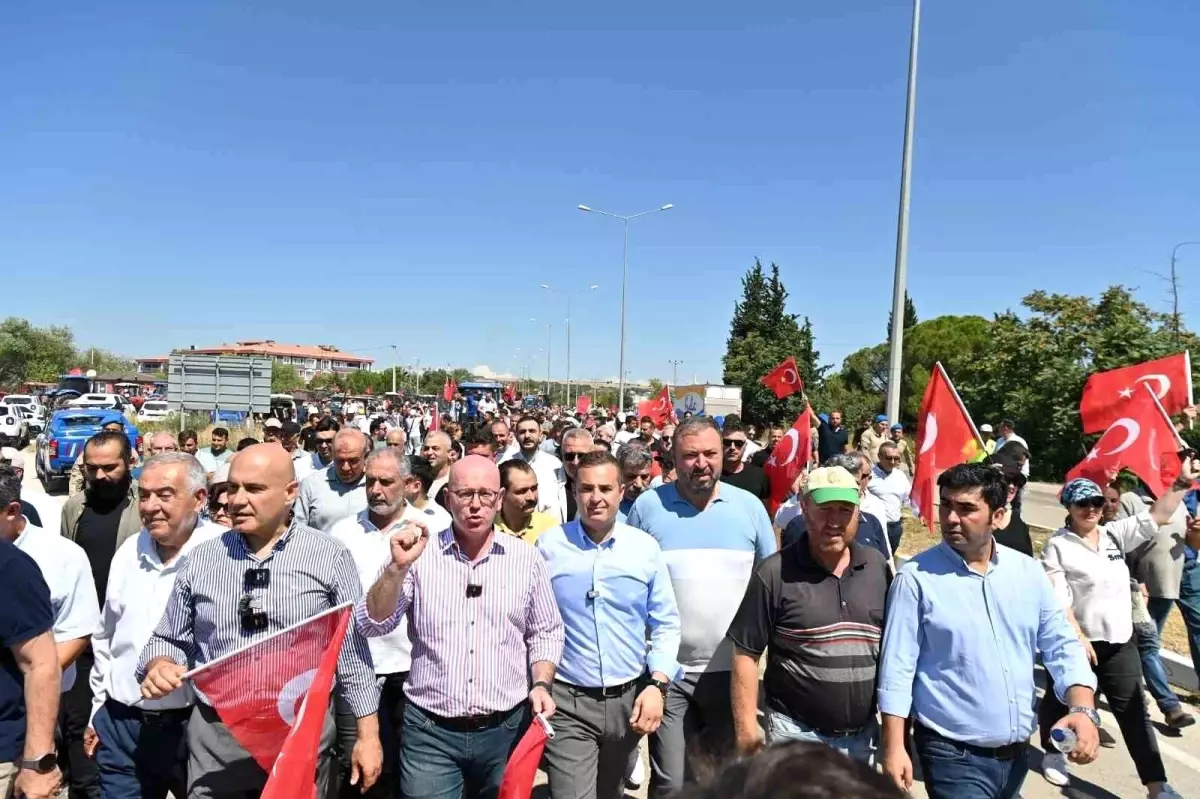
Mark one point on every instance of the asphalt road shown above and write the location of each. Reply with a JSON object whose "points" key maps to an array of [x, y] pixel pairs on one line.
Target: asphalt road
{"points": [[1111, 777]]}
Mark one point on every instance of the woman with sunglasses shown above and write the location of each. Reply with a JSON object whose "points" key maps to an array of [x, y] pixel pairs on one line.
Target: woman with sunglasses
{"points": [[1085, 561]]}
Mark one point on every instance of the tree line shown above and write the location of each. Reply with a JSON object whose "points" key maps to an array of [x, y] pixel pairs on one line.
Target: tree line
{"points": [[41, 354], [1027, 365]]}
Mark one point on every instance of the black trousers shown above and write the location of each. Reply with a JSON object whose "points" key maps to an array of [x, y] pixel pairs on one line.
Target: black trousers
{"points": [[391, 721], [79, 771], [1119, 674]]}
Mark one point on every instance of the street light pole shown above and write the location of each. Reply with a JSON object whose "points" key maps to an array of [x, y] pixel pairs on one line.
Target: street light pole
{"points": [[1175, 287], [568, 293], [900, 282], [568, 402], [625, 219], [674, 373], [393, 368]]}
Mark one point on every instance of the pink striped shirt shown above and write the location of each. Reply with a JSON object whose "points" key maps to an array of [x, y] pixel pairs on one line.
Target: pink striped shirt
{"points": [[471, 655]]}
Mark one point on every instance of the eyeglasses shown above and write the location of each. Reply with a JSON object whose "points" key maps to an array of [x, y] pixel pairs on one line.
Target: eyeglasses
{"points": [[216, 506], [486, 496], [1091, 503], [571, 457], [733, 442]]}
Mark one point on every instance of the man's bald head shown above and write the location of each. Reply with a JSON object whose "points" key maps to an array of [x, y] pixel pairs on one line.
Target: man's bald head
{"points": [[473, 496], [475, 470], [262, 487], [396, 437]]}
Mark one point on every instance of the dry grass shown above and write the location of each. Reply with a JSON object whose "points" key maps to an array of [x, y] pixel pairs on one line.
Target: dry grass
{"points": [[917, 539]]}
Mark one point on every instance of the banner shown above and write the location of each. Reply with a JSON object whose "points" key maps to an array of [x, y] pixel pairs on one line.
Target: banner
{"points": [[689, 399]]}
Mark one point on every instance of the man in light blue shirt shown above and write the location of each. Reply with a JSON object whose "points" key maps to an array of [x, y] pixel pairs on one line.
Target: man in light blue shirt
{"points": [[612, 586], [965, 621], [712, 536]]}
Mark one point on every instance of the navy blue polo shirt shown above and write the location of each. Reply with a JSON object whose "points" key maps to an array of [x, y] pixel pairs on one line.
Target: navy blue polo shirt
{"points": [[24, 614]]}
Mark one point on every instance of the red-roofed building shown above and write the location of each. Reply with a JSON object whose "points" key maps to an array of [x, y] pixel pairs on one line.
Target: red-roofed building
{"points": [[308, 361]]}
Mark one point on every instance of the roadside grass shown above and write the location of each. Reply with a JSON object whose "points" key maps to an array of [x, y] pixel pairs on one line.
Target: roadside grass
{"points": [[917, 539]]}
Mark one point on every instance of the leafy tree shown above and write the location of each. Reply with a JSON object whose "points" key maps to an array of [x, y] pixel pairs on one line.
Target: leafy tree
{"points": [[327, 381], [285, 378], [656, 386], [762, 334], [104, 362], [33, 353]]}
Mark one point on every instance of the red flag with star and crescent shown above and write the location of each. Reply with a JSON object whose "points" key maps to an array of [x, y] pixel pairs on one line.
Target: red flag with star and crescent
{"points": [[659, 409], [784, 379], [946, 437], [273, 696], [789, 457], [1105, 394], [1142, 439]]}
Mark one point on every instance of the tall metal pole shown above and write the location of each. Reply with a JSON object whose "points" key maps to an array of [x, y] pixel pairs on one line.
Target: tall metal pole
{"points": [[674, 373], [1175, 287], [624, 283], [896, 347], [568, 393], [393, 368], [549, 339]]}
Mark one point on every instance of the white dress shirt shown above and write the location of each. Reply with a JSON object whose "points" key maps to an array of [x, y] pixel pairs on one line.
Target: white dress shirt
{"points": [[68, 573], [371, 549], [873, 505], [1094, 583], [139, 585], [48, 507], [790, 509], [891, 489], [436, 517], [749, 450], [302, 463]]}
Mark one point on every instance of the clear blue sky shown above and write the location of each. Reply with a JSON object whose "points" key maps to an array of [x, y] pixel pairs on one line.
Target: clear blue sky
{"points": [[377, 172]]}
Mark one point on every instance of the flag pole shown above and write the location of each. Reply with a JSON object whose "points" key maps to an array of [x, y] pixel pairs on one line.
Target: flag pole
{"points": [[187, 675], [962, 407], [1187, 364], [1178, 439]]}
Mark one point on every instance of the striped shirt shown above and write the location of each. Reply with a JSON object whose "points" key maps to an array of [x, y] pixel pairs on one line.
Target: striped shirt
{"points": [[471, 655], [821, 634], [310, 572]]}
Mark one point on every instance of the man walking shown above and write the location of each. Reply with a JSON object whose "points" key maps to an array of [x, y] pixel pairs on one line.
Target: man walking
{"points": [[483, 623], [612, 585], [820, 607], [551, 476], [338, 492], [140, 745], [712, 536], [872, 437], [891, 488]]}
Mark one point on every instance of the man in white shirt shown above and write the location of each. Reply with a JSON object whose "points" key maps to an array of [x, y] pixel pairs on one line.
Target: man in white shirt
{"points": [[41, 509], [436, 449], [487, 404], [65, 568], [505, 442], [552, 479], [368, 537], [891, 487], [416, 492], [629, 428], [140, 744], [217, 453], [328, 496], [289, 439], [1009, 436]]}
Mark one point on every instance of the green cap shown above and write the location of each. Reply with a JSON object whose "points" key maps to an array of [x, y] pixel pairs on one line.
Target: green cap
{"points": [[832, 484]]}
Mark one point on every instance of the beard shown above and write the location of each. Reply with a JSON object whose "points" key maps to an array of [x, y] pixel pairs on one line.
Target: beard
{"points": [[109, 491], [384, 508]]}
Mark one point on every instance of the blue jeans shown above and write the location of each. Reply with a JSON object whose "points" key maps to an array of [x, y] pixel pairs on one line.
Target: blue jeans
{"points": [[1189, 606], [958, 771], [1146, 636], [437, 762], [860, 746], [141, 755]]}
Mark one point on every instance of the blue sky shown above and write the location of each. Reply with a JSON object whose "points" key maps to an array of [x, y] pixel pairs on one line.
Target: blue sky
{"points": [[372, 173]]}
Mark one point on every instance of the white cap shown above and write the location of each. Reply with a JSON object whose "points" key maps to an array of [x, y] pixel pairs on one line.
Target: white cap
{"points": [[985, 428], [13, 456], [272, 422]]}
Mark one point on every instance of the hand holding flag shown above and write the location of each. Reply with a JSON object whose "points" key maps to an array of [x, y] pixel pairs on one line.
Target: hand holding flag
{"points": [[946, 437]]}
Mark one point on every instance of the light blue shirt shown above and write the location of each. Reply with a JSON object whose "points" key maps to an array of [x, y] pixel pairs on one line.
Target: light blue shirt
{"points": [[710, 555], [959, 647], [609, 595]]}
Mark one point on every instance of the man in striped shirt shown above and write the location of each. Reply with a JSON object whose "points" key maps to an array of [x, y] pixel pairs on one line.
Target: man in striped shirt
{"points": [[817, 606], [482, 619], [263, 576]]}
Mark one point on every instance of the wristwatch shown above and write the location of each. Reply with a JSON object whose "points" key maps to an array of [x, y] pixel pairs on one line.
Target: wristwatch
{"points": [[541, 684], [42, 765], [1087, 711], [661, 685]]}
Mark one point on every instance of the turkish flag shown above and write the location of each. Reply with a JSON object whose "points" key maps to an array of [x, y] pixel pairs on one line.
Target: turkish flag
{"points": [[522, 766], [660, 410], [789, 457], [1105, 394], [1142, 440], [583, 404], [510, 393], [294, 774], [946, 437], [784, 379], [448, 389], [257, 691]]}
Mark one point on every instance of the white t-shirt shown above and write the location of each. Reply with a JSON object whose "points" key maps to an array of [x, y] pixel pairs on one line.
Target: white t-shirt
{"points": [[790, 509], [1095, 583], [749, 450]]}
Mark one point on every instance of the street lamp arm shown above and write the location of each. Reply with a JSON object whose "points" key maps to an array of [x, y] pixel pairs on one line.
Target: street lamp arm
{"points": [[626, 218], [1175, 249]]}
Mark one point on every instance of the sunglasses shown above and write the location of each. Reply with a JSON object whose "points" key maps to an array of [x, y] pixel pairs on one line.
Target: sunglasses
{"points": [[253, 620], [571, 457], [733, 442], [1091, 503]]}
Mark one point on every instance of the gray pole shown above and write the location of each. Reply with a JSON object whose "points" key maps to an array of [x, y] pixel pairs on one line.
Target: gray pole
{"points": [[624, 281], [393, 368], [1175, 287], [674, 373], [896, 348], [549, 339], [568, 392]]}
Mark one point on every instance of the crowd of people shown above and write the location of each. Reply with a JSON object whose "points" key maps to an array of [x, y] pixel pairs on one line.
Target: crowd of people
{"points": [[620, 580]]}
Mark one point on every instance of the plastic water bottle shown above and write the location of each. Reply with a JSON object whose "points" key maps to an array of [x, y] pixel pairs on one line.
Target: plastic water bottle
{"points": [[1064, 739]]}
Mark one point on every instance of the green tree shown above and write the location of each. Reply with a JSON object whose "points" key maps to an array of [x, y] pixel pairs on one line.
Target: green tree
{"points": [[285, 378], [761, 335], [33, 353], [104, 362], [656, 386]]}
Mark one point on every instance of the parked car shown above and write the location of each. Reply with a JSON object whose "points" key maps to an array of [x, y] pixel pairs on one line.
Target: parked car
{"points": [[14, 430], [153, 410], [114, 401], [36, 411], [66, 433]]}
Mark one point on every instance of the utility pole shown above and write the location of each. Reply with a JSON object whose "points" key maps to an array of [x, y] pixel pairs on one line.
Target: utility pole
{"points": [[549, 341], [1175, 287], [393, 368], [674, 373]]}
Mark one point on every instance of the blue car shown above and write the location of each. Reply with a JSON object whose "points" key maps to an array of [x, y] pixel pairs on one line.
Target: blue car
{"points": [[66, 433]]}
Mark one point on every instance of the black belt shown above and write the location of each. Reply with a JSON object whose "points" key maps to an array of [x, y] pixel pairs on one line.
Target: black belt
{"points": [[153, 718], [471, 723], [611, 692], [1006, 752]]}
